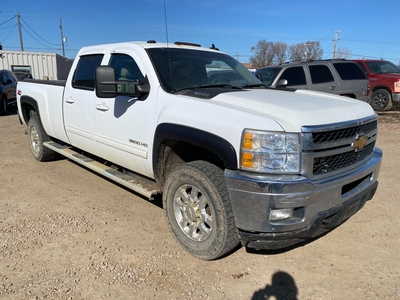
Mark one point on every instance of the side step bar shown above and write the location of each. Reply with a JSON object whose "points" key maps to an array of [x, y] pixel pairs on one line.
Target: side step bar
{"points": [[136, 183]]}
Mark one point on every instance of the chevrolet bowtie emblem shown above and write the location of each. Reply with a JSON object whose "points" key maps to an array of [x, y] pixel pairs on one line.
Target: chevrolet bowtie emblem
{"points": [[359, 143]]}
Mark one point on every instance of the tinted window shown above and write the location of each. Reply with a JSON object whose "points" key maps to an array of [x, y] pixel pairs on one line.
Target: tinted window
{"points": [[362, 67], [267, 75], [294, 76], [181, 69], [84, 73], [3, 77], [125, 69], [320, 74], [349, 71], [382, 67]]}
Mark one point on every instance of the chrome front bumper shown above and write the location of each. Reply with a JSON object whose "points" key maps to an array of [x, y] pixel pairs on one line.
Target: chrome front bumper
{"points": [[318, 205]]}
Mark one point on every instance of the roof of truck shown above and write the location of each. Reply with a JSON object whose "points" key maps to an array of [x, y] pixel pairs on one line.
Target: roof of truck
{"points": [[146, 45]]}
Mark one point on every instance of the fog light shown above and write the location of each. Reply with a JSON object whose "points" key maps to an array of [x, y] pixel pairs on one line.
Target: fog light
{"points": [[280, 214]]}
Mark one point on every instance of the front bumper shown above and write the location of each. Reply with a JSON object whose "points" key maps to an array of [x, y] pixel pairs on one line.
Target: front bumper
{"points": [[318, 206]]}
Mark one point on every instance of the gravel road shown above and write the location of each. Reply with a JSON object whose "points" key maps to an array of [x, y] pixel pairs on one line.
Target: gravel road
{"points": [[66, 233]]}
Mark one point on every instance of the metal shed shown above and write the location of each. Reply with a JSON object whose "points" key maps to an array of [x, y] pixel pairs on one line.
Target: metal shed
{"points": [[39, 65]]}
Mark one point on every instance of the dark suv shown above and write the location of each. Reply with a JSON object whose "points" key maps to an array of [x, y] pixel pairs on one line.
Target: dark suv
{"points": [[8, 87], [335, 76]]}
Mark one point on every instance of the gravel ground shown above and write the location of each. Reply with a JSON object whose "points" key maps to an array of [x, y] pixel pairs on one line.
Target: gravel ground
{"points": [[66, 233]]}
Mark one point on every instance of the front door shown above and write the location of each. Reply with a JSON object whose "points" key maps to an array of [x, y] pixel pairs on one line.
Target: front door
{"points": [[123, 126]]}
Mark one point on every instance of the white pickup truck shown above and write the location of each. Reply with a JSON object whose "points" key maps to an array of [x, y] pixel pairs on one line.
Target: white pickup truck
{"points": [[235, 162]]}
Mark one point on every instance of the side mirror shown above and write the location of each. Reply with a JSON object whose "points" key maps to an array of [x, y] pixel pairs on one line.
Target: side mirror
{"points": [[105, 82], [282, 83], [107, 87]]}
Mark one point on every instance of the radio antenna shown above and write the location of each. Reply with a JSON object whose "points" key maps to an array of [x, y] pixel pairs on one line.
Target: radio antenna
{"points": [[166, 25]]}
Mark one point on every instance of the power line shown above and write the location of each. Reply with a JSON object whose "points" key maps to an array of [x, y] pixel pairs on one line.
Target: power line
{"points": [[9, 33], [38, 34], [8, 20]]}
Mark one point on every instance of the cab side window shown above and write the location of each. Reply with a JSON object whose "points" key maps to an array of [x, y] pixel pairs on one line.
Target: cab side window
{"points": [[85, 70], [294, 76], [320, 74], [125, 69]]}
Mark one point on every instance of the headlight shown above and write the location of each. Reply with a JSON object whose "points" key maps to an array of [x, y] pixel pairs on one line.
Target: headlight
{"points": [[270, 152]]}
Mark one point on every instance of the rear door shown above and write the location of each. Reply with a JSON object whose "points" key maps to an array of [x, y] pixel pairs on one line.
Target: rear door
{"points": [[79, 103], [354, 81], [322, 79]]}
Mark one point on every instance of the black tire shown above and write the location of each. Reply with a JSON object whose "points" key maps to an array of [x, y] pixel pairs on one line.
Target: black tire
{"points": [[198, 210], [380, 99], [36, 137], [3, 106]]}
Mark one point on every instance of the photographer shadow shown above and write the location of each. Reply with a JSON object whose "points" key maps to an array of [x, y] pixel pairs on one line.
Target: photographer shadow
{"points": [[283, 287]]}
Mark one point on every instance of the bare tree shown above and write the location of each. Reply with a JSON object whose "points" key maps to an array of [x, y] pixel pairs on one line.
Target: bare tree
{"points": [[268, 53], [343, 53], [264, 54], [281, 52], [306, 51], [297, 52]]}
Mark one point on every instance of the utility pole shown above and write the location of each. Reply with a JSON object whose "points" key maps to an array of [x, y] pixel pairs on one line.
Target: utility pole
{"points": [[334, 44], [62, 37], [20, 32], [237, 56]]}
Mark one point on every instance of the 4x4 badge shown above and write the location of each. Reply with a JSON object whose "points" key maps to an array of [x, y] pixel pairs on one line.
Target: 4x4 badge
{"points": [[359, 143]]}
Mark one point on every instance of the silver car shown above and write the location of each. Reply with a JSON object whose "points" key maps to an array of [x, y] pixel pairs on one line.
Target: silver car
{"points": [[335, 76]]}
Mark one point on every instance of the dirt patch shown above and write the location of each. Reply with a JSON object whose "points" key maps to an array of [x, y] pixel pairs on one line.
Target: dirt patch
{"points": [[66, 233]]}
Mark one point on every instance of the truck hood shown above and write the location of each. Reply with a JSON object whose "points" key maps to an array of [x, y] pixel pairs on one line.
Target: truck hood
{"points": [[294, 109]]}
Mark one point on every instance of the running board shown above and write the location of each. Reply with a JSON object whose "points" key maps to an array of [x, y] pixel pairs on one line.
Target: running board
{"points": [[136, 183]]}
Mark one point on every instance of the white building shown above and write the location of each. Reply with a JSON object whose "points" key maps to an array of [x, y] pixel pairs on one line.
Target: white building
{"points": [[39, 65]]}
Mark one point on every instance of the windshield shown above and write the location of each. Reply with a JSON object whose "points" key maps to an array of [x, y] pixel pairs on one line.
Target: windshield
{"points": [[179, 69], [382, 67]]}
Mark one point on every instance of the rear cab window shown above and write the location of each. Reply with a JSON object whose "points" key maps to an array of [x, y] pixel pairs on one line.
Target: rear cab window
{"points": [[85, 70]]}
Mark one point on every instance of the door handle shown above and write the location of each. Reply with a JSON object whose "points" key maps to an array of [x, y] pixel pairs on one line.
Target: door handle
{"points": [[332, 87], [102, 107], [69, 100]]}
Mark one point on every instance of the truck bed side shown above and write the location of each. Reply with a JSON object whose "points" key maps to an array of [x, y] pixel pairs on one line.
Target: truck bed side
{"points": [[47, 97]]}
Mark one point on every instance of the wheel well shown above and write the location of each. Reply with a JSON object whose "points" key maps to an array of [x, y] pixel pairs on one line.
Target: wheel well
{"points": [[173, 153], [28, 108], [381, 88], [176, 144], [349, 95]]}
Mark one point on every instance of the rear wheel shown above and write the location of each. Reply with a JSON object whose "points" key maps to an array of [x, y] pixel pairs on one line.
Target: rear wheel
{"points": [[36, 137], [198, 210], [380, 99], [3, 106]]}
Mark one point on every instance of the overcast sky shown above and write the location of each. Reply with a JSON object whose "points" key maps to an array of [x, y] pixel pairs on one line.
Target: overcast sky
{"points": [[368, 28]]}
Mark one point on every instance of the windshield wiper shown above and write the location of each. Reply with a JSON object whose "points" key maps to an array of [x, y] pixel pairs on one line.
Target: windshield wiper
{"points": [[222, 85], [254, 85]]}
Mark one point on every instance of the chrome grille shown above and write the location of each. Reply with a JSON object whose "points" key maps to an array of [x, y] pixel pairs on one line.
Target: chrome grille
{"points": [[331, 149], [335, 135], [331, 163]]}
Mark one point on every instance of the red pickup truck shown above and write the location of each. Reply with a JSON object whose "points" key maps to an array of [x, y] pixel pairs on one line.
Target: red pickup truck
{"points": [[384, 80]]}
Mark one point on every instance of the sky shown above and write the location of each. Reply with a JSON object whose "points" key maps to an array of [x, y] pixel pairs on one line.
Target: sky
{"points": [[368, 28]]}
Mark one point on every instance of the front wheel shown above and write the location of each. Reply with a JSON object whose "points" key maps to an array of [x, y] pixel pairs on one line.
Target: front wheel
{"points": [[380, 99], [198, 210], [36, 137]]}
